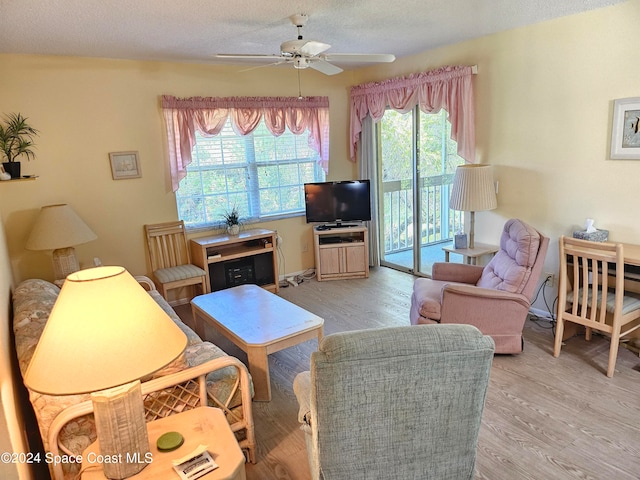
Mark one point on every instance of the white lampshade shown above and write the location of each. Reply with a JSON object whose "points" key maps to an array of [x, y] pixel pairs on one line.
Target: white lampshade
{"points": [[58, 226], [104, 334], [104, 330], [473, 189]]}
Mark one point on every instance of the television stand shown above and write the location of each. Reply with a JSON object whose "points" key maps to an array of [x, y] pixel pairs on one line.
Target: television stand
{"points": [[329, 226], [341, 252]]}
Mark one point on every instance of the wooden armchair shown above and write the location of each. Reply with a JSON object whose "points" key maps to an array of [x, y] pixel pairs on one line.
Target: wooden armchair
{"points": [[170, 258], [175, 393]]}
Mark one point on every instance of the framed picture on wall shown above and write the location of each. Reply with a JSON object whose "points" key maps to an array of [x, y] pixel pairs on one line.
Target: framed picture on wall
{"points": [[125, 165], [625, 129]]}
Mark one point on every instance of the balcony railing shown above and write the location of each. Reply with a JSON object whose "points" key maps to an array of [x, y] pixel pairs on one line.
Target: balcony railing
{"points": [[438, 223]]}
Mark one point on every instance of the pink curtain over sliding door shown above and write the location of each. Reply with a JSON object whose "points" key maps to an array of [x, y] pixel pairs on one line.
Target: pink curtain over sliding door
{"points": [[447, 87], [183, 117]]}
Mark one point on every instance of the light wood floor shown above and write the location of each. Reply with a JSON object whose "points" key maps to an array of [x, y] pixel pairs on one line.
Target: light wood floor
{"points": [[545, 418]]}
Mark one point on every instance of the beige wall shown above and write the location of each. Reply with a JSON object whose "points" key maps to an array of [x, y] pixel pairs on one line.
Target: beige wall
{"points": [[544, 103], [544, 100], [86, 108]]}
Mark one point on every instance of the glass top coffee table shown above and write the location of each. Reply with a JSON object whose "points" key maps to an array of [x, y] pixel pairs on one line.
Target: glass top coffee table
{"points": [[258, 322]]}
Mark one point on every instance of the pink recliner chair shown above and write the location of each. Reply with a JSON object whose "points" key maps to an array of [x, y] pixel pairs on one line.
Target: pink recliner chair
{"points": [[495, 298]]}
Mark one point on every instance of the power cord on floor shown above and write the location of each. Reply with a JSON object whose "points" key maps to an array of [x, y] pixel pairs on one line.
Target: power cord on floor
{"points": [[551, 319], [296, 280], [281, 263], [282, 270]]}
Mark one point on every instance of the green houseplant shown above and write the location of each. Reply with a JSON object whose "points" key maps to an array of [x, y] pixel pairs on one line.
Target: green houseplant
{"points": [[232, 221], [16, 140]]}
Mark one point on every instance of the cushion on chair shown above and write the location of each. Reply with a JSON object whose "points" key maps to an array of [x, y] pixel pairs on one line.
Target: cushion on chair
{"points": [[181, 272], [511, 267], [630, 301]]}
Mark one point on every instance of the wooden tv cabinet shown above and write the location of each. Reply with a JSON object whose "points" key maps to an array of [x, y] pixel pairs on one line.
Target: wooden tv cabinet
{"points": [[231, 260], [341, 253]]}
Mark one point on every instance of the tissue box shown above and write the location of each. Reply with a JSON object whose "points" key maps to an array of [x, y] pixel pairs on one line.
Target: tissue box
{"points": [[597, 236]]}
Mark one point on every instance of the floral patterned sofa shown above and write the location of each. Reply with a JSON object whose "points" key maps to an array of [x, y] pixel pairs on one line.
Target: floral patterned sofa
{"points": [[65, 422]]}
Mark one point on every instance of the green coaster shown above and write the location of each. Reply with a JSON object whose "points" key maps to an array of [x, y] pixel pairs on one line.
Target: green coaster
{"points": [[169, 441]]}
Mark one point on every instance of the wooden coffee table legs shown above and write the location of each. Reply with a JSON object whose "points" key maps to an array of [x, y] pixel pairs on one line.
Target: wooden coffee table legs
{"points": [[258, 356], [258, 349]]}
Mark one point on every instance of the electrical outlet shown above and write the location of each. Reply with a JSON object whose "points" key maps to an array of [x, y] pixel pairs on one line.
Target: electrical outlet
{"points": [[549, 279]]}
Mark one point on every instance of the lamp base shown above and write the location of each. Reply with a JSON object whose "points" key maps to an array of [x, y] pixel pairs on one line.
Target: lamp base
{"points": [[65, 262], [122, 430]]}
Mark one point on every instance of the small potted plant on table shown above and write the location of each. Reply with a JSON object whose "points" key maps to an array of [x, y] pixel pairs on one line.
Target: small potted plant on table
{"points": [[232, 221], [16, 139]]}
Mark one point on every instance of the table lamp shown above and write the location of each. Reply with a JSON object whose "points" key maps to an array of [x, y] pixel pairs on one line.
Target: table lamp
{"points": [[473, 191], [105, 332], [59, 228]]}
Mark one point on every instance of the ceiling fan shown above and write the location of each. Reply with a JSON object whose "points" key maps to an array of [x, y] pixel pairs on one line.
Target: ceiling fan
{"points": [[310, 53]]}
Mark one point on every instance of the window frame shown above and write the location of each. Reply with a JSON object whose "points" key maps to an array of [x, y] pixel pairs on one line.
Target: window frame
{"points": [[252, 166]]}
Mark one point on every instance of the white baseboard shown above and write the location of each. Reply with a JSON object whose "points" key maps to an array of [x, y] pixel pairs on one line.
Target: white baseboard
{"points": [[292, 274], [540, 313]]}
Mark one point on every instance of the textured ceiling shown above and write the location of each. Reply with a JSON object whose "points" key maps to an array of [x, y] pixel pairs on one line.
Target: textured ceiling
{"points": [[194, 30]]}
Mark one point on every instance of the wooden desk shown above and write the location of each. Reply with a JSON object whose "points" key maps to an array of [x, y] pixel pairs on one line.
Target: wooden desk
{"points": [[204, 425], [631, 284], [631, 254], [632, 258], [471, 255]]}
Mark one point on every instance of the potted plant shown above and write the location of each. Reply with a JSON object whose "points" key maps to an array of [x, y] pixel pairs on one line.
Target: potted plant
{"points": [[16, 139], [232, 221]]}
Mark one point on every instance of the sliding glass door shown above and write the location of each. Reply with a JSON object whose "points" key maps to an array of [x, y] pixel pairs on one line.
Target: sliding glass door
{"points": [[416, 161]]}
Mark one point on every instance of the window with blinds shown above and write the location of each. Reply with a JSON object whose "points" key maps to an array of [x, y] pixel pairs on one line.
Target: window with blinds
{"points": [[259, 174]]}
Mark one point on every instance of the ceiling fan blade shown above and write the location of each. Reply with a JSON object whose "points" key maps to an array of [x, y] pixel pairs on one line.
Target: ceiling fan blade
{"points": [[324, 66], [359, 57], [314, 48], [248, 56], [262, 66]]}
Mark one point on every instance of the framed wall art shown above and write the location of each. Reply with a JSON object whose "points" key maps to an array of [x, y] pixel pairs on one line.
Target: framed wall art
{"points": [[125, 165], [625, 129]]}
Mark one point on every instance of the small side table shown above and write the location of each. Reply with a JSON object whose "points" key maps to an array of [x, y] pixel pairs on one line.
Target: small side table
{"points": [[204, 425], [471, 255]]}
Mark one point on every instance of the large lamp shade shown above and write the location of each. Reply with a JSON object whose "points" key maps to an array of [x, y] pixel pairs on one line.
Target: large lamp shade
{"points": [[105, 332], [473, 191]]}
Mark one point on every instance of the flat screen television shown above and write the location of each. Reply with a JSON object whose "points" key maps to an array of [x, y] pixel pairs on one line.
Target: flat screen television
{"points": [[338, 202]]}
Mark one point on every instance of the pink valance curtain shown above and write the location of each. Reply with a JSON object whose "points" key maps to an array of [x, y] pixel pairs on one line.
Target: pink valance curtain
{"points": [[447, 87], [183, 117]]}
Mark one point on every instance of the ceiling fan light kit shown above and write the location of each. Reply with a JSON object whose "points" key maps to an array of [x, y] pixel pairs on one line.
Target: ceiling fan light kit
{"points": [[310, 53]]}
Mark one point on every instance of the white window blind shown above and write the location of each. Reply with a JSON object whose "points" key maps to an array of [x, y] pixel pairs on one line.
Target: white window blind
{"points": [[259, 174]]}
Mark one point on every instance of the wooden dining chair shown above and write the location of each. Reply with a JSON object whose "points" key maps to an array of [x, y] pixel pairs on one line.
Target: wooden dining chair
{"points": [[591, 293], [170, 258]]}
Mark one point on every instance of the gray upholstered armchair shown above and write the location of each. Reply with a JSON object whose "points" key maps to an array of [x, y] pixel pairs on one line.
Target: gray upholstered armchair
{"points": [[495, 298], [395, 403]]}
